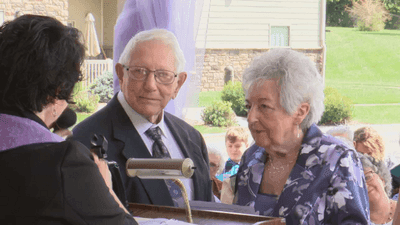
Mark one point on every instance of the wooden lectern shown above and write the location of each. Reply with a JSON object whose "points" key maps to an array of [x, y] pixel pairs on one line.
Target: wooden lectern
{"points": [[201, 216]]}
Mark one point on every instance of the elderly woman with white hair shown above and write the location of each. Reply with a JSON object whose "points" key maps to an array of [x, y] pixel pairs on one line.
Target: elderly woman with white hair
{"points": [[294, 170], [217, 163], [343, 133]]}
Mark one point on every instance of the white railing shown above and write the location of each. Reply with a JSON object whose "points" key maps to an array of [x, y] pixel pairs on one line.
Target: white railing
{"points": [[93, 68]]}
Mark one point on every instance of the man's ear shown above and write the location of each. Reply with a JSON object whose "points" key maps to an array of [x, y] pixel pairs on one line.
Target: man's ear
{"points": [[302, 112], [181, 80], [120, 72]]}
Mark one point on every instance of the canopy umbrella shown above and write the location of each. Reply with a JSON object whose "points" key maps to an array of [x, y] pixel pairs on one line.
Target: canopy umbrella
{"points": [[91, 40]]}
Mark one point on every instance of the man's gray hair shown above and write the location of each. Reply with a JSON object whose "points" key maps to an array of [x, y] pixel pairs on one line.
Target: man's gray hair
{"points": [[298, 79], [380, 168], [167, 37], [214, 150]]}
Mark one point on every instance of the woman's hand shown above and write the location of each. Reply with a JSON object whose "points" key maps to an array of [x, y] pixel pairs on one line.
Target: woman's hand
{"points": [[106, 174], [103, 168]]}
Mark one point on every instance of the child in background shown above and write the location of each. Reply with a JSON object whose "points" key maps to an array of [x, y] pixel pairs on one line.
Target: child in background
{"points": [[236, 142]]}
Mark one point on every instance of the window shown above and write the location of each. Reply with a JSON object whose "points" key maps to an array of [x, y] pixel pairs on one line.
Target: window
{"points": [[1, 17], [279, 36]]}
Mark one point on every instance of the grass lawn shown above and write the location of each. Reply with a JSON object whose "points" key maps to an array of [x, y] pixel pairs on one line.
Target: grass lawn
{"points": [[364, 66], [82, 116], [206, 98], [377, 114], [204, 129]]}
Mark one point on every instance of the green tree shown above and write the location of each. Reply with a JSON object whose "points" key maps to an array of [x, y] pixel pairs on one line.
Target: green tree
{"points": [[336, 15]]}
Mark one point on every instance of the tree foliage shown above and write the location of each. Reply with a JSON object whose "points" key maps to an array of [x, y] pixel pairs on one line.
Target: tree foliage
{"points": [[370, 15], [337, 16]]}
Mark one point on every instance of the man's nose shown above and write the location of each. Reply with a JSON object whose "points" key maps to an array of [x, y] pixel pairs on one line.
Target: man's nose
{"points": [[150, 82]]}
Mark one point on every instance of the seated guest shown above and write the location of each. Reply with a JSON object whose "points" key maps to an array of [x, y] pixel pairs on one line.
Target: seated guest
{"points": [[367, 140], [379, 185], [236, 142], [134, 122], [342, 132], [46, 180], [298, 173], [216, 167]]}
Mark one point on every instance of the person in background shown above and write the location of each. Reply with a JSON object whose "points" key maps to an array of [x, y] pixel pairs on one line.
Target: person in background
{"points": [[379, 185], [294, 171], [342, 132], [236, 142], [151, 73], [367, 140], [216, 167], [45, 179]]}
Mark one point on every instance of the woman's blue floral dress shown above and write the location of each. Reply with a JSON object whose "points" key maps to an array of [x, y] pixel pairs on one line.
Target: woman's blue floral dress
{"points": [[326, 185]]}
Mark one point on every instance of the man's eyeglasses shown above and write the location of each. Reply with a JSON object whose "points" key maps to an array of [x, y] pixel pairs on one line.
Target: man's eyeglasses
{"points": [[141, 73]]}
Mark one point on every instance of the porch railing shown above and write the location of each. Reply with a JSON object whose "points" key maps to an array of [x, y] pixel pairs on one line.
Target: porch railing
{"points": [[93, 68]]}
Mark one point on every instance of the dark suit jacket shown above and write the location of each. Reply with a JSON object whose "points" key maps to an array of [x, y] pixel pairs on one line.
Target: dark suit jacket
{"points": [[124, 142], [55, 183]]}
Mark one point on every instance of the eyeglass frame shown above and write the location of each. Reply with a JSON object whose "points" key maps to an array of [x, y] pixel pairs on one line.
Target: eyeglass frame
{"points": [[154, 71]]}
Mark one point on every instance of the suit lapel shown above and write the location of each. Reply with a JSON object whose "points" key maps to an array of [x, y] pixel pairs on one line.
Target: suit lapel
{"points": [[124, 131]]}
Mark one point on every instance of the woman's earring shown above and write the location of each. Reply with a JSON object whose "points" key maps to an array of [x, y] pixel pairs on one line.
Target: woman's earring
{"points": [[298, 128]]}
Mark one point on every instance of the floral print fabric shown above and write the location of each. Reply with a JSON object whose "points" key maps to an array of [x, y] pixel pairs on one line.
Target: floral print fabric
{"points": [[326, 185]]}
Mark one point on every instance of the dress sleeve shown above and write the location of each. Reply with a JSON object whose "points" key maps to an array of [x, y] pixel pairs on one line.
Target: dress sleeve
{"points": [[347, 196], [87, 198]]}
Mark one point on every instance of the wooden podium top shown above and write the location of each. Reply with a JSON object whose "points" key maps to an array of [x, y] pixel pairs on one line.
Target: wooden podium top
{"points": [[201, 216]]}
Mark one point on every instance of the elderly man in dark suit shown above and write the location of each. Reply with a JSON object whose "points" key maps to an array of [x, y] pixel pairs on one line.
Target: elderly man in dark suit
{"points": [[150, 72]]}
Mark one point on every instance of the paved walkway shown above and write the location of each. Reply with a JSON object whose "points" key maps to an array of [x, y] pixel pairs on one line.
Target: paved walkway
{"points": [[389, 132]]}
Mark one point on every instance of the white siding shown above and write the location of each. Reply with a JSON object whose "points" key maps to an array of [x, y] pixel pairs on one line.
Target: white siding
{"points": [[246, 23]]}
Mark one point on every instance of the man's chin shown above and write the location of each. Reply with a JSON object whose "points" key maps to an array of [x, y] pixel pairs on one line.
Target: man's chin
{"points": [[150, 113]]}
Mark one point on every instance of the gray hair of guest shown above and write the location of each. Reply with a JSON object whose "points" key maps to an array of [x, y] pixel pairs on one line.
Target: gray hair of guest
{"points": [[298, 79], [342, 132], [167, 37], [380, 168], [214, 150]]}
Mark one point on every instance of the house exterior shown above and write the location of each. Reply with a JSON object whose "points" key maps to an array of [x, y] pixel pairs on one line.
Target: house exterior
{"points": [[233, 32], [69, 12], [9, 9]]}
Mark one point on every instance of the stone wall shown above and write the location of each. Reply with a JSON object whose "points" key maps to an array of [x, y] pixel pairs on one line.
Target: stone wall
{"points": [[216, 60], [54, 8]]}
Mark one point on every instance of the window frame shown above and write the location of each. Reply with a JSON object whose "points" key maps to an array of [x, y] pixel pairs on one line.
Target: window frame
{"points": [[288, 36]]}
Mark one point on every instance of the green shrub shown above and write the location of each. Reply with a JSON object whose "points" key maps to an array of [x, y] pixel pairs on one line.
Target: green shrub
{"points": [[103, 87], [84, 100], [219, 114], [233, 92], [338, 108]]}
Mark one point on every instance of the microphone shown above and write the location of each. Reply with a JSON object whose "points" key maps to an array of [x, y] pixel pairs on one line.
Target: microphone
{"points": [[66, 120]]}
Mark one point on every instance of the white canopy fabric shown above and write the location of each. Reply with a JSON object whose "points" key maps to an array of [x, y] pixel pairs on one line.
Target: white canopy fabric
{"points": [[91, 40]]}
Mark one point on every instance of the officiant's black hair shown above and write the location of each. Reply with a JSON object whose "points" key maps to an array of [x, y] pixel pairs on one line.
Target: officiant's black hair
{"points": [[40, 61]]}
